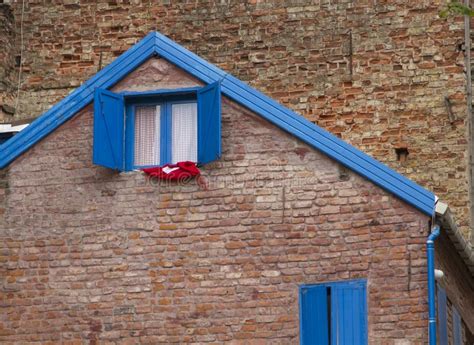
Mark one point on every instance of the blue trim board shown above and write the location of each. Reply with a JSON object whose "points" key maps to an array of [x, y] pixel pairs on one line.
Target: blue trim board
{"points": [[159, 93], [129, 136], [293, 123]]}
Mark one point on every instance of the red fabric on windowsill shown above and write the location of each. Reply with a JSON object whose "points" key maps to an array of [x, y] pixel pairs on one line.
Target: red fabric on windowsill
{"points": [[180, 171]]}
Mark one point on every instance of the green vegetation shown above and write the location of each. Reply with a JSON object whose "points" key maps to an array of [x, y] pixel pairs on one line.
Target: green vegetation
{"points": [[454, 8]]}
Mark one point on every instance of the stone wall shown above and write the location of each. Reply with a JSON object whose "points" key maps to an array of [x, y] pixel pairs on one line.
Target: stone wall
{"points": [[374, 72], [7, 62], [90, 255]]}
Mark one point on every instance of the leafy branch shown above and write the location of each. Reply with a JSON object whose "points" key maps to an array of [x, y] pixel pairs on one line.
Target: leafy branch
{"points": [[454, 8]]}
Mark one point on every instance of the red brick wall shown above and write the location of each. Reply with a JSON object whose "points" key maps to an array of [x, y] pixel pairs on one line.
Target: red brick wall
{"points": [[404, 59], [90, 255]]}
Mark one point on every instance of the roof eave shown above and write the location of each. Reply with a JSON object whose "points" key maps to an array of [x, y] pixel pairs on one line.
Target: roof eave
{"points": [[463, 246]]}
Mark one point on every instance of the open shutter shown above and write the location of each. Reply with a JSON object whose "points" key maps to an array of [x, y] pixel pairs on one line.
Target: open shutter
{"points": [[209, 123], [349, 314], [108, 130], [314, 315], [442, 317]]}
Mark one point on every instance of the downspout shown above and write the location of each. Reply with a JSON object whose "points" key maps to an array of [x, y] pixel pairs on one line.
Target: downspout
{"points": [[431, 285], [470, 120]]}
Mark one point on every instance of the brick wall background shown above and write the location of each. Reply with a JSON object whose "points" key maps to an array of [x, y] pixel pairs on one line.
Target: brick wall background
{"points": [[108, 257], [374, 72], [7, 62]]}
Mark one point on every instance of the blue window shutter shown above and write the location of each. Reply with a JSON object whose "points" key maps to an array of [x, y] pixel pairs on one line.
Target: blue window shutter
{"points": [[209, 123], [457, 327], [442, 317], [349, 313], [108, 148], [314, 328]]}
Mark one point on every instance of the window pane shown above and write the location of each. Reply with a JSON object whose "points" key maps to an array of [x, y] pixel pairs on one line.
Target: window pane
{"points": [[442, 317], [457, 327], [184, 132], [147, 135]]}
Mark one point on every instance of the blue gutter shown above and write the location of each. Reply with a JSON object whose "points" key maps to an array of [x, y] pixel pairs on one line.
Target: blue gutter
{"points": [[431, 285]]}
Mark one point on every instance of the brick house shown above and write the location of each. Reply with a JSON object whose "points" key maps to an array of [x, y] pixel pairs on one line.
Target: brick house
{"points": [[289, 234]]}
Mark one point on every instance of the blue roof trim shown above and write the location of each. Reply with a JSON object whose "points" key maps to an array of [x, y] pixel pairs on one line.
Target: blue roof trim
{"points": [[156, 43], [79, 98]]}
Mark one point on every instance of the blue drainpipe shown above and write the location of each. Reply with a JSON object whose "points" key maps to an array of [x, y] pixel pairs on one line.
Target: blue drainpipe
{"points": [[431, 284]]}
